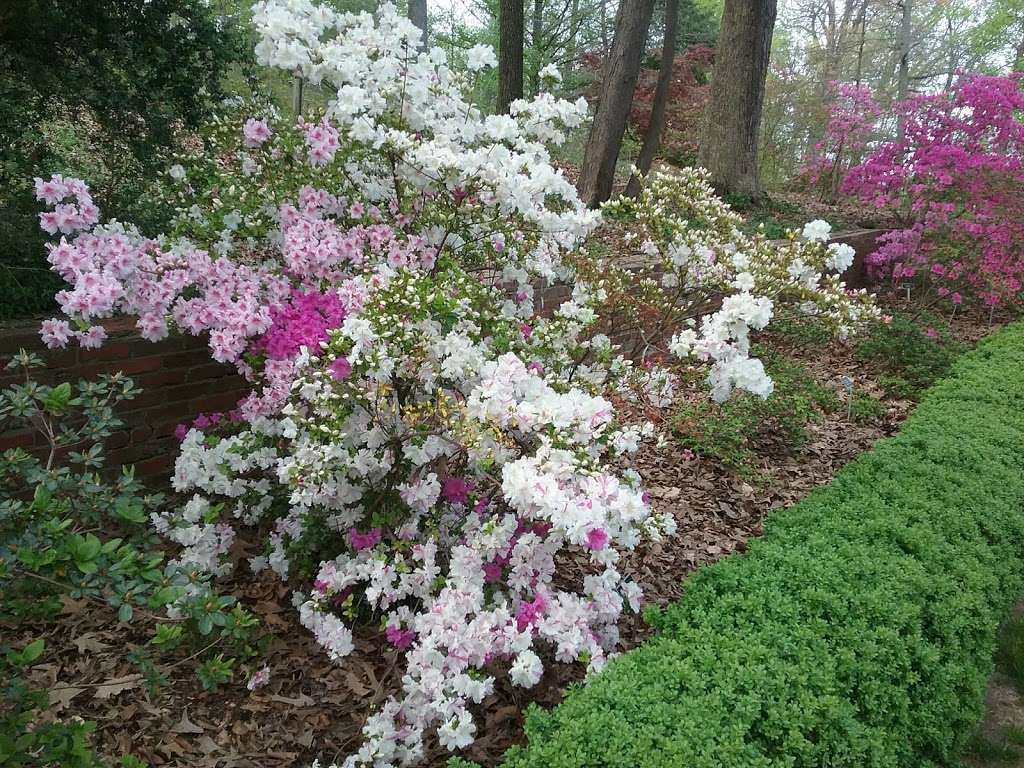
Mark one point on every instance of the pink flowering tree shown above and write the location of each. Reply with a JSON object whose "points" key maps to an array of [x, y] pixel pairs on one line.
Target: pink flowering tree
{"points": [[954, 177], [421, 448], [853, 117]]}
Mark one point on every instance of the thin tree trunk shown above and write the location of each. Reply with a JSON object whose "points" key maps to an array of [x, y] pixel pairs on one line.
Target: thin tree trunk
{"points": [[862, 21], [510, 53], [903, 73], [418, 16], [574, 32], [621, 68], [536, 43], [728, 147], [605, 47], [298, 88], [1018, 61], [656, 125]]}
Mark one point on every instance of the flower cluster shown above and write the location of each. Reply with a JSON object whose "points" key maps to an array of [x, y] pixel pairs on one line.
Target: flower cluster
{"points": [[954, 176], [422, 450], [698, 286], [66, 217]]}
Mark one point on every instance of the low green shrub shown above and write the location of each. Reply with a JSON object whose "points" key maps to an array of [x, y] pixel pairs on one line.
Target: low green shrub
{"points": [[858, 632], [735, 432], [69, 528], [914, 351], [865, 409]]}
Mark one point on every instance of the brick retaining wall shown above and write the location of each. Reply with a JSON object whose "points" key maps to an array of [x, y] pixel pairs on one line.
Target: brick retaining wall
{"points": [[179, 380]]}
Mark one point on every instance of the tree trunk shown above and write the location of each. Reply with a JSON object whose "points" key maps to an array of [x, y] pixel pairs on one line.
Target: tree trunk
{"points": [[574, 33], [656, 126], [903, 74], [621, 68], [418, 16], [728, 147], [510, 53], [536, 43], [863, 22]]}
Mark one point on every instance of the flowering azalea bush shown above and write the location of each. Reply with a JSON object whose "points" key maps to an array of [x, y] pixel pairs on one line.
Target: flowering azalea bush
{"points": [[954, 176], [853, 117], [698, 286], [421, 448]]}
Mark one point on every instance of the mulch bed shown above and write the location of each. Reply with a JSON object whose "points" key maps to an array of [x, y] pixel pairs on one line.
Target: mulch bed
{"points": [[315, 709]]}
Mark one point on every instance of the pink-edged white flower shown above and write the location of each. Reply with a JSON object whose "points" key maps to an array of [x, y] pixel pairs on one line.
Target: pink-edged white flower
{"points": [[55, 333], [259, 679], [255, 132]]}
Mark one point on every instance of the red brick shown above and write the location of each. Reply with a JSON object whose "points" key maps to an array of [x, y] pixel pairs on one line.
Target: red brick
{"points": [[186, 392], [116, 350], [224, 401], [211, 371], [161, 378], [187, 359], [117, 440], [147, 399], [155, 466], [23, 438], [129, 367]]}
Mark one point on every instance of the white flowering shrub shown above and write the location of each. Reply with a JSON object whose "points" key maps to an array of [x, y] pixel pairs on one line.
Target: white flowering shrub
{"points": [[420, 447], [698, 286]]}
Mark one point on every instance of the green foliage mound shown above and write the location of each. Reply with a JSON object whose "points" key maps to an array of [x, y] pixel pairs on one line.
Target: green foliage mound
{"points": [[858, 632]]}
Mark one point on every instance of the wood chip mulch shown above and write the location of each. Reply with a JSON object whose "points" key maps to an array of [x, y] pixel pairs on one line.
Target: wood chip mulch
{"points": [[315, 709]]}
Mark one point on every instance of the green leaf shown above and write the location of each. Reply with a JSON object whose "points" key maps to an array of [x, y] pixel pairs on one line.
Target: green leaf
{"points": [[41, 498], [58, 398], [33, 651], [125, 612], [130, 509], [205, 624]]}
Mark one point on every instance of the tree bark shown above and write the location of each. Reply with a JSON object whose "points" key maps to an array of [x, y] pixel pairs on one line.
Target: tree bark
{"points": [[574, 33], [621, 68], [536, 42], [510, 53], [656, 125], [728, 147], [903, 74], [418, 16]]}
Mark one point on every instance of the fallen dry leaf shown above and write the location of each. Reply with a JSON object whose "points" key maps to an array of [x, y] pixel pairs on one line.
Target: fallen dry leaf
{"points": [[61, 696], [185, 725], [117, 685]]}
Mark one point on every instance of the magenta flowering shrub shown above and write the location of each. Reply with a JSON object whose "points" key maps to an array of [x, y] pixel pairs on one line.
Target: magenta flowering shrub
{"points": [[853, 117], [954, 177], [420, 446]]}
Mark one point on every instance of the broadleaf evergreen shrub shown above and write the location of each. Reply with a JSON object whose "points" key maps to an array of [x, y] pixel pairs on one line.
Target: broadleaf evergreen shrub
{"points": [[858, 632]]}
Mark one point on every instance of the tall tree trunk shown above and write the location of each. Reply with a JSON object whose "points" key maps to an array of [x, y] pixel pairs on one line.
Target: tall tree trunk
{"points": [[621, 68], [728, 147], [605, 47], [1018, 61], [510, 53], [656, 126], [903, 73], [418, 16], [574, 33], [863, 22], [535, 41]]}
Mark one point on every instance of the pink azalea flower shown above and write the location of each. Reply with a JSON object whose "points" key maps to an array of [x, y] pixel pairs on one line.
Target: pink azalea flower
{"points": [[255, 132], [360, 541], [341, 368], [456, 490], [597, 539]]}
